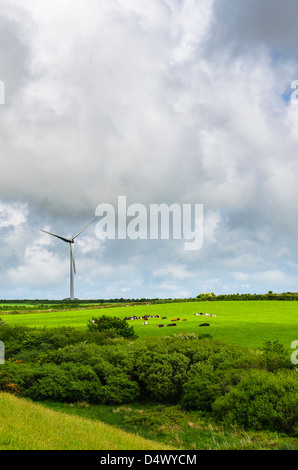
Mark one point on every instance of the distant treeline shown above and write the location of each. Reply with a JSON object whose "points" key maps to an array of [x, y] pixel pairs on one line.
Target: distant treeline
{"points": [[269, 296], [203, 297]]}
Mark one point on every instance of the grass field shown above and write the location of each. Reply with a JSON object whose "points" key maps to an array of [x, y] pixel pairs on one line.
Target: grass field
{"points": [[29, 426], [249, 323]]}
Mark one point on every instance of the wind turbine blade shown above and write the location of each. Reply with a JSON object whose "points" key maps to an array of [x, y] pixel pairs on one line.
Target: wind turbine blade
{"points": [[58, 236], [84, 228]]}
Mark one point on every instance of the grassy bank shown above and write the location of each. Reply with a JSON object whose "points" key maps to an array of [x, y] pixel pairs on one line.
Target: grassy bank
{"points": [[173, 426], [29, 426]]}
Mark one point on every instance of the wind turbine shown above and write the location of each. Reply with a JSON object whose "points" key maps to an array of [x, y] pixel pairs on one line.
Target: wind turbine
{"points": [[72, 261]]}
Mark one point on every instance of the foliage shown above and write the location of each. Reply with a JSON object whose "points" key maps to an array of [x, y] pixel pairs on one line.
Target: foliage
{"points": [[199, 389], [261, 400], [69, 382], [275, 355], [112, 324], [251, 388], [162, 375]]}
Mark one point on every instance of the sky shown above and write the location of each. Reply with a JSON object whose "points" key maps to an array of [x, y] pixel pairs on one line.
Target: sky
{"points": [[163, 102]]}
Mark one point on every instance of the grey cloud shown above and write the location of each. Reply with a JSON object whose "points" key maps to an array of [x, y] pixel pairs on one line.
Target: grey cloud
{"points": [[240, 27], [168, 104]]}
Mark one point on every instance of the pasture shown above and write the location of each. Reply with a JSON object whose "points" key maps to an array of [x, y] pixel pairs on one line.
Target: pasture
{"points": [[248, 323]]}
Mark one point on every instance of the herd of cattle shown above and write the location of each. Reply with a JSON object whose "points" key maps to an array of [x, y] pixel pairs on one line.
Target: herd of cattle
{"points": [[174, 321]]}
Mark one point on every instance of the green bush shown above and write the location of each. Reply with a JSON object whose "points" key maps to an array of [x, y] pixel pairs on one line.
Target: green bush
{"points": [[120, 356], [79, 353], [68, 383], [19, 339], [120, 389], [162, 375], [20, 373], [200, 388], [262, 400], [216, 352], [50, 383], [276, 356], [13, 337], [91, 376], [112, 324]]}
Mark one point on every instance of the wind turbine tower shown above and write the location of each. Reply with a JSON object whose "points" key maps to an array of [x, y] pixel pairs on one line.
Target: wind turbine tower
{"points": [[72, 260]]}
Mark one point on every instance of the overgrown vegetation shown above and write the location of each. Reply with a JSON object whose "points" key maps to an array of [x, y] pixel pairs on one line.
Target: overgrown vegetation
{"points": [[254, 389]]}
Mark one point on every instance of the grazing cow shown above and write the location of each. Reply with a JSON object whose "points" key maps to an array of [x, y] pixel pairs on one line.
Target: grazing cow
{"points": [[159, 326], [184, 319], [172, 324], [204, 324], [145, 323], [164, 318], [206, 315], [213, 315], [201, 313], [176, 319]]}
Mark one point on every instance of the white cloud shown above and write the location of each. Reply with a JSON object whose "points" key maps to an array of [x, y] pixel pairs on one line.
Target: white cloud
{"points": [[164, 102], [172, 272], [12, 215]]}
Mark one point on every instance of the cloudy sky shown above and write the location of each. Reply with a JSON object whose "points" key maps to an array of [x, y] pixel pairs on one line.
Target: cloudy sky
{"points": [[160, 101]]}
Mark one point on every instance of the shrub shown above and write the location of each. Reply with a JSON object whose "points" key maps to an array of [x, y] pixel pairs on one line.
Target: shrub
{"points": [[83, 372], [19, 373], [52, 338], [51, 387], [120, 389], [20, 338], [276, 356], [262, 400], [182, 336], [69, 383], [162, 375], [120, 356], [79, 353], [112, 324], [200, 390], [9, 387]]}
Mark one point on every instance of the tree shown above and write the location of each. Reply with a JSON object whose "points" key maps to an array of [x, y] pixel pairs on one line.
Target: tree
{"points": [[115, 325]]}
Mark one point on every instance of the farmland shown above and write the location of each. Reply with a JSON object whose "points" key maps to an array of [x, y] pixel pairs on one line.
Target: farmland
{"points": [[247, 323], [227, 385]]}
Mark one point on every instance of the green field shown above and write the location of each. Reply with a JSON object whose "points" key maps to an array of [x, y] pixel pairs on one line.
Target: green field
{"points": [[249, 323], [102, 391]]}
